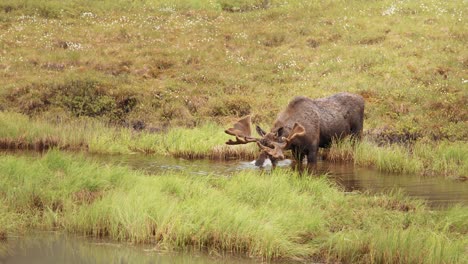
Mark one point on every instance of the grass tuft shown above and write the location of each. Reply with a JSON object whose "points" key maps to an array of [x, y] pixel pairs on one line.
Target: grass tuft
{"points": [[427, 158]]}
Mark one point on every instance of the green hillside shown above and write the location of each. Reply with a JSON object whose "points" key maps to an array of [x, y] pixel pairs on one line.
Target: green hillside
{"points": [[164, 63]]}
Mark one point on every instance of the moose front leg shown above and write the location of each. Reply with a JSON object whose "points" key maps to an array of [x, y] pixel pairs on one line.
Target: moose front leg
{"points": [[312, 155], [298, 155], [274, 162]]}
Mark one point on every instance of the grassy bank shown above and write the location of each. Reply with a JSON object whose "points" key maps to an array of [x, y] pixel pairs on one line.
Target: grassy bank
{"points": [[205, 141], [443, 158], [278, 215], [421, 157]]}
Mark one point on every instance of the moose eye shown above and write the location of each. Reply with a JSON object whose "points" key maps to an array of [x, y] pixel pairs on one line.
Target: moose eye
{"points": [[279, 133]]}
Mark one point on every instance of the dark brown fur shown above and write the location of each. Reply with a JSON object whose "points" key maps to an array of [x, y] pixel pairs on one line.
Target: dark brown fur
{"points": [[324, 119]]}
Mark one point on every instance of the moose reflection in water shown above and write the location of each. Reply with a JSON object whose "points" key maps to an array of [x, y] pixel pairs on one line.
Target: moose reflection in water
{"points": [[304, 126]]}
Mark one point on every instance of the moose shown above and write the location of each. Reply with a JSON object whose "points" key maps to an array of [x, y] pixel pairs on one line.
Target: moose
{"points": [[303, 127]]}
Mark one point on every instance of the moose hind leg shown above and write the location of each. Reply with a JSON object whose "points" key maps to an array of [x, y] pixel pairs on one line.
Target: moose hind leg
{"points": [[356, 130]]}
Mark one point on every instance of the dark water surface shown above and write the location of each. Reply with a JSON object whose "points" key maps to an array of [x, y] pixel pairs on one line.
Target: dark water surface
{"points": [[436, 190], [56, 247]]}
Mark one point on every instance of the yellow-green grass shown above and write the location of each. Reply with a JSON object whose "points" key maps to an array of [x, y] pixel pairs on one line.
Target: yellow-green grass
{"points": [[11, 222], [396, 246], [205, 141], [182, 62], [422, 157], [277, 215]]}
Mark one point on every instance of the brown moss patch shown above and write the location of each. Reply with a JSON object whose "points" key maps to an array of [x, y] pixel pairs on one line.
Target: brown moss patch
{"points": [[372, 40]]}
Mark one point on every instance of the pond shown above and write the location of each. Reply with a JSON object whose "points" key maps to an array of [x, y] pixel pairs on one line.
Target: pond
{"points": [[436, 190], [56, 247]]}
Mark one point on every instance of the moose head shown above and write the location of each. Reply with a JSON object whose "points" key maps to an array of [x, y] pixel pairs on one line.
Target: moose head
{"points": [[272, 145]]}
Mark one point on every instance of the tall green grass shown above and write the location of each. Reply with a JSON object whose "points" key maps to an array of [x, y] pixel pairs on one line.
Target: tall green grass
{"points": [[412, 245], [423, 157], [447, 158], [10, 222], [205, 141], [266, 215], [202, 142], [393, 158]]}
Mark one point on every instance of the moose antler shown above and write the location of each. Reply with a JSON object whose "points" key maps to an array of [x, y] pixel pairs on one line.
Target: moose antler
{"points": [[278, 148], [240, 140], [241, 131], [276, 152]]}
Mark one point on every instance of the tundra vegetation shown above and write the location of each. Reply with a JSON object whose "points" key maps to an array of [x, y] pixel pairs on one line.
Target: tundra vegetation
{"points": [[168, 77], [154, 66]]}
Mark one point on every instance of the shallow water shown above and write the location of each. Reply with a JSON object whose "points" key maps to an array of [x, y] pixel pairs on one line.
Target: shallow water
{"points": [[436, 190], [53, 247]]}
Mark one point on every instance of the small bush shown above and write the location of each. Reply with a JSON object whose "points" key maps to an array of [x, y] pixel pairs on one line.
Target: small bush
{"points": [[176, 114], [86, 98]]}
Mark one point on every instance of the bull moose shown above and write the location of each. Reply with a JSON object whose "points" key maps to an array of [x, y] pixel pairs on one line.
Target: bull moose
{"points": [[304, 126]]}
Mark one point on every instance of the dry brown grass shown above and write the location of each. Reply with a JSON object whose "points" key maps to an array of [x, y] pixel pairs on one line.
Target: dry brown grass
{"points": [[41, 144]]}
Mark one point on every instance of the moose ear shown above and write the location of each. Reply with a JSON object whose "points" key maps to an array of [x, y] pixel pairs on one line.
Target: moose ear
{"points": [[260, 131], [297, 131]]}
